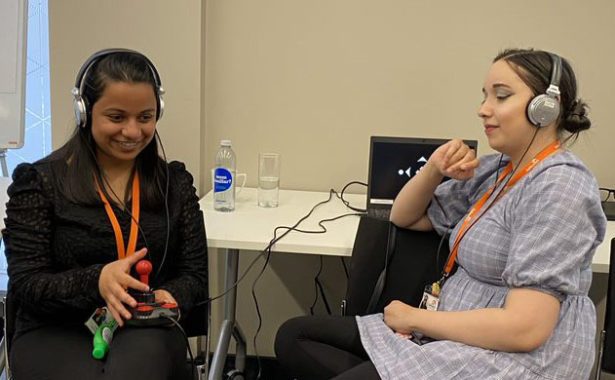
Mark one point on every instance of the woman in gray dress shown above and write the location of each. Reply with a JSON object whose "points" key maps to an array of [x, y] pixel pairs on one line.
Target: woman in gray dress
{"points": [[524, 225]]}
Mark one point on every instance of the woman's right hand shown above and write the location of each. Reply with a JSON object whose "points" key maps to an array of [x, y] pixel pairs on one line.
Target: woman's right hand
{"points": [[455, 159], [113, 284]]}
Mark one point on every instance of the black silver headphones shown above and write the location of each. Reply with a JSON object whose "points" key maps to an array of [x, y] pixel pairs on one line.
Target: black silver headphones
{"points": [[80, 104], [544, 109]]}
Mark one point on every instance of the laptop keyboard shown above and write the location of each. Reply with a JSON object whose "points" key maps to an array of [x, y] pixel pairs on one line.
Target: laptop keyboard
{"points": [[379, 213]]}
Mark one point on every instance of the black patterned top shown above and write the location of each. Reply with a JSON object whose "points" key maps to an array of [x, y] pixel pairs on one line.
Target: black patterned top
{"points": [[56, 249]]}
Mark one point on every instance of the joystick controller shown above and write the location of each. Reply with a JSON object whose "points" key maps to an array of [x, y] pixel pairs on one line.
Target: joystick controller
{"points": [[148, 312]]}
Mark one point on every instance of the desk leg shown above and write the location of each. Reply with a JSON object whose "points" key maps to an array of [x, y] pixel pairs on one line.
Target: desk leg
{"points": [[229, 326]]}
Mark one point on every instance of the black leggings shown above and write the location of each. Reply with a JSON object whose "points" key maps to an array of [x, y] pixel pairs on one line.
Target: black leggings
{"points": [[135, 353], [323, 348]]}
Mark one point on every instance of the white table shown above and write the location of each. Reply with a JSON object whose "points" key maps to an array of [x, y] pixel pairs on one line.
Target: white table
{"points": [[250, 227]]}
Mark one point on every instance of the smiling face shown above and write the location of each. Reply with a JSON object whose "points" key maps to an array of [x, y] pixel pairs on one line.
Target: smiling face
{"points": [[504, 110], [123, 122]]}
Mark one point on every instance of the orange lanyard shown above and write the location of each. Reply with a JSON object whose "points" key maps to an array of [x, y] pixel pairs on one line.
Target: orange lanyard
{"points": [[134, 225], [470, 219]]}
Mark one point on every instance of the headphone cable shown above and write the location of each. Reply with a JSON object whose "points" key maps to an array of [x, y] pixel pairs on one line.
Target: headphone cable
{"points": [[166, 206], [181, 329], [501, 188], [101, 176]]}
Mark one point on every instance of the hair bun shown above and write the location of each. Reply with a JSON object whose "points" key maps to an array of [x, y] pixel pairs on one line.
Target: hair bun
{"points": [[575, 119]]}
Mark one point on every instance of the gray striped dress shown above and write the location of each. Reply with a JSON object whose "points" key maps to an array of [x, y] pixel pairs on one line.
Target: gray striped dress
{"points": [[542, 234]]}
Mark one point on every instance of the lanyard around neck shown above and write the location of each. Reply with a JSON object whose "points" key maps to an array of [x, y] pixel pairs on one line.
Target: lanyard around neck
{"points": [[473, 215], [134, 225]]}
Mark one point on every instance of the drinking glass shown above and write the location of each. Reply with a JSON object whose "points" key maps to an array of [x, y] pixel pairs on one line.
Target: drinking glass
{"points": [[268, 179]]}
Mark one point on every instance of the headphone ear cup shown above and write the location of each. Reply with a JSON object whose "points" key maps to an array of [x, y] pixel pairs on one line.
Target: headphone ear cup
{"points": [[543, 110], [80, 109], [160, 107]]}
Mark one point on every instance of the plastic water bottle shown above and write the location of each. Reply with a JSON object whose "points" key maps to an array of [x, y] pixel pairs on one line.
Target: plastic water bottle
{"points": [[224, 178]]}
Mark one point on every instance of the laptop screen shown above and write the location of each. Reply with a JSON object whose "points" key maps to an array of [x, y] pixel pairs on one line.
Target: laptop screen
{"points": [[393, 161]]}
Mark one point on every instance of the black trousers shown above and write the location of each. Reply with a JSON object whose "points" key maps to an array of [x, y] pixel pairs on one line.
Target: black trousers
{"points": [[135, 353], [323, 348]]}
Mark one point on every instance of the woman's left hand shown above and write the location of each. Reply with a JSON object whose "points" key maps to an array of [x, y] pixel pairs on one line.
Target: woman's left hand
{"points": [[164, 296], [399, 316]]}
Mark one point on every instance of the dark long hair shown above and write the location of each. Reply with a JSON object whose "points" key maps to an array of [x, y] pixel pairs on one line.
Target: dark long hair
{"points": [[75, 165], [534, 67]]}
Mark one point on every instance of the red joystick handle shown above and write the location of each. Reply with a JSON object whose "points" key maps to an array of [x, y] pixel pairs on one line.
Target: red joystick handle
{"points": [[144, 268]]}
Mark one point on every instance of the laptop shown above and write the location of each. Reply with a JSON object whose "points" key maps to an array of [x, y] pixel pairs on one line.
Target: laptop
{"points": [[392, 162]]}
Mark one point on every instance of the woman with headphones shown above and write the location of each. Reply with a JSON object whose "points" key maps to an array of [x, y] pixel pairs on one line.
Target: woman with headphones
{"points": [[523, 225], [69, 216]]}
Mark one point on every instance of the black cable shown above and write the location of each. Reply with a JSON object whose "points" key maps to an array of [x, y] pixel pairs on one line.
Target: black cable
{"points": [[125, 209], [347, 203], [345, 267], [268, 255], [267, 252], [317, 283], [388, 252], [275, 240], [317, 287], [497, 173], [501, 188], [245, 272], [510, 176], [448, 228], [166, 206], [193, 365], [322, 294]]}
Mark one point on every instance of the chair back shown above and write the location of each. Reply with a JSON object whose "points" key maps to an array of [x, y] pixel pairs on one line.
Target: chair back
{"points": [[196, 322], [9, 312], [414, 259], [608, 357]]}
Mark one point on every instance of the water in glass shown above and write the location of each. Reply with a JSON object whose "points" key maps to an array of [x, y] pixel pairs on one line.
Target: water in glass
{"points": [[268, 188]]}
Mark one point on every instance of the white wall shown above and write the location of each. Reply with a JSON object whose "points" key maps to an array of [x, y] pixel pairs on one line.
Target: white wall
{"points": [[314, 79]]}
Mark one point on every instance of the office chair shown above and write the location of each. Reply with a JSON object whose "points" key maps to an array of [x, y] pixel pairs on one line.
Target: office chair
{"points": [[391, 263], [197, 324], [8, 317], [606, 350]]}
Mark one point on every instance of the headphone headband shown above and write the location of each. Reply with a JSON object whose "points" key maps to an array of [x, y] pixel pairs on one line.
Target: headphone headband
{"points": [[557, 69], [556, 74], [80, 105]]}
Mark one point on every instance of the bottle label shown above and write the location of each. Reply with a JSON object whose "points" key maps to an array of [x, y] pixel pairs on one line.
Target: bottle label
{"points": [[223, 179], [107, 335]]}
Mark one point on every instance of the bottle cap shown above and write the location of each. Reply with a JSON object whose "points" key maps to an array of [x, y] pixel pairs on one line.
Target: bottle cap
{"points": [[225, 143], [99, 352]]}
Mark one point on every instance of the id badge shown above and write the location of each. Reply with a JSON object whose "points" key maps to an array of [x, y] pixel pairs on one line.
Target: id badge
{"points": [[100, 316], [431, 297]]}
